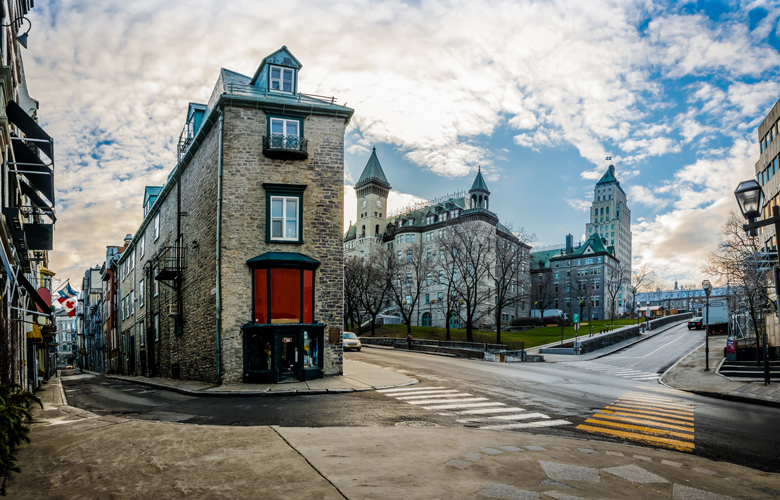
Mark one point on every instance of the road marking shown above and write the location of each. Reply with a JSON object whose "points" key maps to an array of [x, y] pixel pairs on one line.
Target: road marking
{"points": [[486, 411], [469, 405], [445, 401], [618, 371], [666, 390], [444, 391], [519, 416], [460, 394], [646, 418], [404, 389], [672, 342], [526, 425]]}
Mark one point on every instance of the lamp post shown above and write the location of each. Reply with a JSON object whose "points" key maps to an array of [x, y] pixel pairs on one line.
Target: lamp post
{"points": [[707, 286], [750, 198]]}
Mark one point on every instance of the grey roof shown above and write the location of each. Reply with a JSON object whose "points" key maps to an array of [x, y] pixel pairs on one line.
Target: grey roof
{"points": [[479, 183], [373, 173], [609, 176]]}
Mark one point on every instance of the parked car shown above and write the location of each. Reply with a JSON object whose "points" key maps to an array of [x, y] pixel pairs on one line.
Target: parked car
{"points": [[351, 342], [695, 323]]}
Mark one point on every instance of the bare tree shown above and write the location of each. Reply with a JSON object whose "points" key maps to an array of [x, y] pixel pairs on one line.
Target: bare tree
{"points": [[354, 289], [406, 278], [468, 261], [642, 280], [737, 262], [613, 284], [511, 260], [542, 296], [376, 289]]}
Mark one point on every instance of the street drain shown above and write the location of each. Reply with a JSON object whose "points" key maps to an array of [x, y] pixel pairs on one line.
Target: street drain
{"points": [[415, 423]]}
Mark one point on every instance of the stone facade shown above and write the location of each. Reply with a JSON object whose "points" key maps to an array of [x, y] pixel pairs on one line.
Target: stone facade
{"points": [[213, 289]]}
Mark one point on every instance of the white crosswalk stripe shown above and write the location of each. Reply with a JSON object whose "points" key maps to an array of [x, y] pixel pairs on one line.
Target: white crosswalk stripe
{"points": [[479, 410], [616, 371]]}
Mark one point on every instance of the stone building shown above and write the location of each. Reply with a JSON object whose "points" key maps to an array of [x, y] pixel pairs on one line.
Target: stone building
{"points": [[236, 272], [425, 224], [767, 168], [610, 217], [27, 219], [67, 347]]}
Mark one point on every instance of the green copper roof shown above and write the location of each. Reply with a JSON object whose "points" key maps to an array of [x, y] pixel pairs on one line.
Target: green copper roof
{"points": [[479, 183], [373, 173], [283, 259], [608, 177]]}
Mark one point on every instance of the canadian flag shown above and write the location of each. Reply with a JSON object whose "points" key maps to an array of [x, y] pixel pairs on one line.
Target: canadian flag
{"points": [[70, 307]]}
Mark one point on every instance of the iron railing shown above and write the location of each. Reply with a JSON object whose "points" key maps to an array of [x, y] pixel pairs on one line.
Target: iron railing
{"points": [[285, 146]]}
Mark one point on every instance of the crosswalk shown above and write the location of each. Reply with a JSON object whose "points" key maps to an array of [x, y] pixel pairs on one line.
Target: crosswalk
{"points": [[472, 410], [647, 417], [615, 371]]}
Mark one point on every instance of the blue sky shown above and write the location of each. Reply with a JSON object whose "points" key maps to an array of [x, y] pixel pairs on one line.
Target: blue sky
{"points": [[537, 93]]}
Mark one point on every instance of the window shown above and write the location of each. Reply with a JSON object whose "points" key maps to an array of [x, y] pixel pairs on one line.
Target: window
{"points": [[281, 79], [439, 296], [441, 277], [409, 256], [141, 246], [427, 298], [400, 257], [408, 280], [155, 288], [141, 293], [413, 237], [407, 238], [156, 327], [426, 318], [284, 213], [142, 332], [427, 282], [428, 254], [156, 226], [408, 300]]}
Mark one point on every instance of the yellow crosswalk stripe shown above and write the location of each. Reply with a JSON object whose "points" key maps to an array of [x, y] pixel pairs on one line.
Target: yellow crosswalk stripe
{"points": [[646, 418], [648, 430], [658, 441], [675, 413], [651, 417], [645, 421]]}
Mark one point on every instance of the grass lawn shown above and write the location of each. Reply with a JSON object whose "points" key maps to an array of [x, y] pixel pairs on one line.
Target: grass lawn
{"points": [[532, 338]]}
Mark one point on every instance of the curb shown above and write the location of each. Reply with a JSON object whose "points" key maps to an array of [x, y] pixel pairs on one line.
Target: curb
{"points": [[222, 394], [716, 395]]}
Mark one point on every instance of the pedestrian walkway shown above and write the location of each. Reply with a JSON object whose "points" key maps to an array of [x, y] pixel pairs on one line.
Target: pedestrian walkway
{"points": [[616, 371], [358, 376], [688, 375], [76, 454], [488, 414]]}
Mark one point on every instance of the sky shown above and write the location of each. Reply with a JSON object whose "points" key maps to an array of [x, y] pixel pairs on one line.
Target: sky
{"points": [[536, 93]]}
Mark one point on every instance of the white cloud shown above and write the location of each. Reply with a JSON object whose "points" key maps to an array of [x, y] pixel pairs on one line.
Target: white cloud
{"points": [[643, 195]]}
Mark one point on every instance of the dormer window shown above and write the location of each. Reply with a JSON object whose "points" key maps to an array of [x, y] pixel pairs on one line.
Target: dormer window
{"points": [[281, 79]]}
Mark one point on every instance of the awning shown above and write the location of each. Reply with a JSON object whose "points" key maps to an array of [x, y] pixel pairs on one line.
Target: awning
{"points": [[30, 128], [34, 293], [35, 334], [283, 259], [40, 175], [37, 200]]}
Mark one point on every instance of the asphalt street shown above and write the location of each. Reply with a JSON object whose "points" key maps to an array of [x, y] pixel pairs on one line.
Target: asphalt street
{"points": [[610, 398]]}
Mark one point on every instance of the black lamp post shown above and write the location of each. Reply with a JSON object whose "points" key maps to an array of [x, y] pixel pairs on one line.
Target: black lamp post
{"points": [[750, 198], [707, 286]]}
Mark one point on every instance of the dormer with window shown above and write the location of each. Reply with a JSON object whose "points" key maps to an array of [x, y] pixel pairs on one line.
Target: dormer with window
{"points": [[278, 73], [150, 196]]}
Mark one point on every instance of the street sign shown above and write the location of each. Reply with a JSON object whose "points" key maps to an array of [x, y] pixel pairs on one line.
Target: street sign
{"points": [[716, 304], [576, 326], [576, 317]]}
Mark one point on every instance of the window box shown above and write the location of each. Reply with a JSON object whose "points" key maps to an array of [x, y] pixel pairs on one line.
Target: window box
{"points": [[285, 140]]}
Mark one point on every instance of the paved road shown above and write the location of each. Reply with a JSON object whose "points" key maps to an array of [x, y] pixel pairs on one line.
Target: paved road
{"points": [[615, 398]]}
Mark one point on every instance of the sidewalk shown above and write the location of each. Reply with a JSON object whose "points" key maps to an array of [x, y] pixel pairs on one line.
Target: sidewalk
{"points": [[606, 351], [357, 376], [77, 454], [688, 375]]}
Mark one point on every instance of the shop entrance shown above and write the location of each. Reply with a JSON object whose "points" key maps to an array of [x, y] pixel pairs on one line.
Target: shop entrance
{"points": [[290, 358]]}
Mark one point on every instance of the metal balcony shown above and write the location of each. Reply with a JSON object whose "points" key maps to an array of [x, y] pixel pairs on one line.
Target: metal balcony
{"points": [[285, 147]]}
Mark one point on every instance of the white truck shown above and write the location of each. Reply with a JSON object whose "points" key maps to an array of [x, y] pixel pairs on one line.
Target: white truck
{"points": [[717, 319]]}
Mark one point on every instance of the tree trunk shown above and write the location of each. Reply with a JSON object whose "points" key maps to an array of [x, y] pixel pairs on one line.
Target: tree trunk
{"points": [[498, 332], [409, 326]]}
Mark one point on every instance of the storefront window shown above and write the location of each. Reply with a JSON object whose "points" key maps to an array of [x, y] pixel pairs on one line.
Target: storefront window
{"points": [[310, 351], [283, 288], [286, 296]]}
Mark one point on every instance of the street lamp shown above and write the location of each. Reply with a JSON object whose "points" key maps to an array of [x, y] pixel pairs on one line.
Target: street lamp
{"points": [[750, 198], [707, 286]]}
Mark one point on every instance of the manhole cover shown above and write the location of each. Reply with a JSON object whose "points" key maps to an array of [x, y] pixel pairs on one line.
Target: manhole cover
{"points": [[415, 423]]}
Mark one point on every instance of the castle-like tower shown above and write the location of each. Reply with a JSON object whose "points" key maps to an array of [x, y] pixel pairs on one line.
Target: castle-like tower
{"points": [[610, 218], [372, 189]]}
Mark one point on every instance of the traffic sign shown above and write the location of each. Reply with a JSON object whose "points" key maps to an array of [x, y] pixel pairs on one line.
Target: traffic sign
{"points": [[576, 317], [576, 326]]}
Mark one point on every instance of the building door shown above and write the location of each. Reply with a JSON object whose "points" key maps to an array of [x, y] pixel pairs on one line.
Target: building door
{"points": [[290, 358], [453, 320]]}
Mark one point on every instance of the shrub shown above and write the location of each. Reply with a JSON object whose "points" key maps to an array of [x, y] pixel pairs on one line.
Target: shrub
{"points": [[526, 321], [15, 405]]}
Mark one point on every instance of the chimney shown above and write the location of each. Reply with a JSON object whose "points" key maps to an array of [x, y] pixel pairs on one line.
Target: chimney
{"points": [[128, 239], [569, 243]]}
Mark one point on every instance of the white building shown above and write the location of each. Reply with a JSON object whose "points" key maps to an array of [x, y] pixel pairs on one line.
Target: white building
{"points": [[610, 217]]}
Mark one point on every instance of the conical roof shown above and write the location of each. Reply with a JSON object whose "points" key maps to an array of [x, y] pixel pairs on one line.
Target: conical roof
{"points": [[609, 176], [373, 173], [479, 183]]}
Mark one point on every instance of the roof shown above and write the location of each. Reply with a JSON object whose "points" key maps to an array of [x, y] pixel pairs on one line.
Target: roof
{"points": [[373, 173], [608, 177], [150, 191], [544, 257], [290, 61], [351, 232], [479, 183]]}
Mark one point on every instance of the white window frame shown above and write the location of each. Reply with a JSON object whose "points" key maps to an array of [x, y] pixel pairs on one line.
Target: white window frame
{"points": [[285, 121], [141, 246], [280, 80], [156, 226], [156, 327], [142, 328], [284, 217], [141, 293], [156, 289]]}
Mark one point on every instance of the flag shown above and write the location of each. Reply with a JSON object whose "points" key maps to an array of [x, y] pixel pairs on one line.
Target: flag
{"points": [[69, 306], [609, 158], [66, 293]]}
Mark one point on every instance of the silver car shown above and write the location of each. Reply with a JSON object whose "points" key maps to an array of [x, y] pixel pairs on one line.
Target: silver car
{"points": [[351, 342]]}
